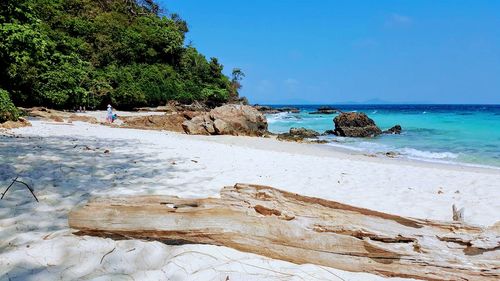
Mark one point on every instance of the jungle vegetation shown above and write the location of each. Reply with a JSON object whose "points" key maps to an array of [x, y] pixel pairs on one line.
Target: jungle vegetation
{"points": [[69, 53]]}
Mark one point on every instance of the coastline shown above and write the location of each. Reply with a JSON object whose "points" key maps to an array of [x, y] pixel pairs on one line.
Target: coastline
{"points": [[69, 164], [325, 150], [266, 147], [460, 134]]}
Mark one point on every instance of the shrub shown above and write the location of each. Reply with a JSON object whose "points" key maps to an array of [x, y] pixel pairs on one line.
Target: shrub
{"points": [[7, 109], [214, 97]]}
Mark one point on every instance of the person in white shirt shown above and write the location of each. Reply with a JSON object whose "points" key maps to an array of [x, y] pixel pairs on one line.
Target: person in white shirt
{"points": [[109, 116]]}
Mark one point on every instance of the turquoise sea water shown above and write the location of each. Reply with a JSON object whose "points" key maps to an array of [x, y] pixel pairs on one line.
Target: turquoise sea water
{"points": [[468, 134]]}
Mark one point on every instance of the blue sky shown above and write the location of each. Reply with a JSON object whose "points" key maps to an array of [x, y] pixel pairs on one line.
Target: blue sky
{"points": [[300, 51]]}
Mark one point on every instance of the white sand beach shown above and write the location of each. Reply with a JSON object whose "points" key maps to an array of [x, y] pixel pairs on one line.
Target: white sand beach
{"points": [[66, 164]]}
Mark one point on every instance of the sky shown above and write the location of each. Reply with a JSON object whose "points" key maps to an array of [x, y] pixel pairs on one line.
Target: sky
{"points": [[326, 51]]}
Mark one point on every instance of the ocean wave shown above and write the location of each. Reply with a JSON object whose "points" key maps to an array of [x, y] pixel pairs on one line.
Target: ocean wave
{"points": [[371, 147], [282, 116], [415, 153], [352, 144]]}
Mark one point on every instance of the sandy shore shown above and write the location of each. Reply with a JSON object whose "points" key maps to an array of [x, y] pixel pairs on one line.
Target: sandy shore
{"points": [[66, 164]]}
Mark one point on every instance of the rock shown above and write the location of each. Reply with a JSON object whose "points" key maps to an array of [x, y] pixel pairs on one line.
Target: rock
{"points": [[270, 110], [167, 109], [46, 114], [39, 113], [82, 118], [298, 134], [238, 120], [328, 132], [21, 122], [306, 133], [265, 109], [232, 119], [392, 154], [325, 110], [394, 130], [169, 122], [199, 125], [195, 106], [56, 118], [239, 100], [289, 109], [175, 106], [354, 124]]}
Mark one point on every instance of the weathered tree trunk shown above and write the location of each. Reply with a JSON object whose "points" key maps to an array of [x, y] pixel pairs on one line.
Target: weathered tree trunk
{"points": [[301, 229]]}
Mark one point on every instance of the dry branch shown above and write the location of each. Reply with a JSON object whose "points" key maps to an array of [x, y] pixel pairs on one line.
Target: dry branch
{"points": [[300, 229], [23, 183]]}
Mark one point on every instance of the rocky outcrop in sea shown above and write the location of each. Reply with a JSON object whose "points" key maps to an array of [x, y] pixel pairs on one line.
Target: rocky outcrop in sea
{"points": [[354, 124], [325, 110]]}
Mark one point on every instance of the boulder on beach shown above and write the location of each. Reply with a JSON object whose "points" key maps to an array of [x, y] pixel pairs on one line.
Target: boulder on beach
{"points": [[354, 124], [21, 122], [199, 125], [82, 118], [231, 119], [298, 134], [169, 122], [394, 130]]}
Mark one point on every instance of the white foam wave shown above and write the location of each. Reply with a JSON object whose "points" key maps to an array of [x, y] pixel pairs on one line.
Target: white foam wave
{"points": [[272, 118], [372, 147], [415, 153]]}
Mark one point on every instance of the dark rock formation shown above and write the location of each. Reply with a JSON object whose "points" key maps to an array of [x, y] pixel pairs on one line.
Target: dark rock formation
{"points": [[328, 132], [394, 130], [325, 110], [270, 110], [298, 134], [354, 124]]}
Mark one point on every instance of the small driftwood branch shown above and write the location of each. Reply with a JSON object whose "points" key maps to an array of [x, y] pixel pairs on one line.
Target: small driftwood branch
{"points": [[12, 183], [21, 182], [112, 250], [301, 229]]}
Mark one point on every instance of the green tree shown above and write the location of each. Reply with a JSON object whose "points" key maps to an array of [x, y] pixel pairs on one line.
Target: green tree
{"points": [[236, 76], [66, 53], [7, 109]]}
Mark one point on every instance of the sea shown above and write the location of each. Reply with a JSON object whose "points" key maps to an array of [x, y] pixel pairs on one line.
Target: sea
{"points": [[458, 134]]}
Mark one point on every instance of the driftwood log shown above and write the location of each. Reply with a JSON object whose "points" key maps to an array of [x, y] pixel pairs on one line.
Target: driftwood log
{"points": [[300, 229]]}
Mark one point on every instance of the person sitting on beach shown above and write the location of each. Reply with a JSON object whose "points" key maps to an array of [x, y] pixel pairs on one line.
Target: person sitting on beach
{"points": [[109, 116]]}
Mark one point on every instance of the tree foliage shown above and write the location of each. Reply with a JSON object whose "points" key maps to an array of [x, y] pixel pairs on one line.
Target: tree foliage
{"points": [[67, 53], [7, 109]]}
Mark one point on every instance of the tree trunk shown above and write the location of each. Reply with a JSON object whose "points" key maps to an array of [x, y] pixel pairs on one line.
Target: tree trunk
{"points": [[300, 229]]}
